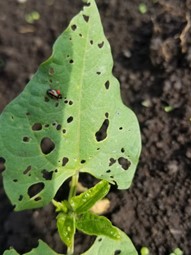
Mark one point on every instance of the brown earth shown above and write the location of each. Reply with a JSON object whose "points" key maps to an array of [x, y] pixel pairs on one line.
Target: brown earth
{"points": [[152, 55]]}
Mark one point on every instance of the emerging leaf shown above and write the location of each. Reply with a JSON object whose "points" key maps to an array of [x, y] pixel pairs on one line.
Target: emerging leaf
{"points": [[63, 206], [87, 199], [93, 224], [66, 227], [69, 118]]}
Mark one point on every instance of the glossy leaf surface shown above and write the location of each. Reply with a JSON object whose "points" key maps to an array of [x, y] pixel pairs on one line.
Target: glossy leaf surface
{"points": [[87, 199], [93, 224], [66, 227]]}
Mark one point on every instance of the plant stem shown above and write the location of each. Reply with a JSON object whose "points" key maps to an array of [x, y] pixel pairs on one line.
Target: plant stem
{"points": [[73, 186], [70, 249], [72, 193]]}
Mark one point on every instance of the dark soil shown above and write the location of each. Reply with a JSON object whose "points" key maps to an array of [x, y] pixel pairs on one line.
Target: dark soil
{"points": [[152, 55]]}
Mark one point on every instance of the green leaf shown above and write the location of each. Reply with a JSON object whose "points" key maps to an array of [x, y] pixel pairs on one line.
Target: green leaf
{"points": [[102, 245], [63, 206], [93, 224], [42, 249], [178, 251], [87, 199], [105, 245], [66, 227], [44, 141], [10, 252]]}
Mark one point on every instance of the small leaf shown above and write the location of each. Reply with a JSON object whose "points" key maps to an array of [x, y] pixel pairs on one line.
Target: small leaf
{"points": [[66, 227], [143, 8], [178, 251], [61, 206], [93, 224], [107, 246], [42, 249], [145, 251], [87, 199]]}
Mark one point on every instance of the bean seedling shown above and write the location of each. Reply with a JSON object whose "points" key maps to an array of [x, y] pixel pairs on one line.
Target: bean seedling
{"points": [[69, 120]]}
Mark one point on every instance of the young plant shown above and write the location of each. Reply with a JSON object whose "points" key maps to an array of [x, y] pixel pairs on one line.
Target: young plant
{"points": [[70, 120]]}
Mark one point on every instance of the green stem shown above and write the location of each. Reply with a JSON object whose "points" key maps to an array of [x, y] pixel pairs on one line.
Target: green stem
{"points": [[72, 193], [73, 186], [70, 250]]}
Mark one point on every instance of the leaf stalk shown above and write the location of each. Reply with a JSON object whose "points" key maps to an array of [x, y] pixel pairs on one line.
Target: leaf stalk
{"points": [[72, 193]]}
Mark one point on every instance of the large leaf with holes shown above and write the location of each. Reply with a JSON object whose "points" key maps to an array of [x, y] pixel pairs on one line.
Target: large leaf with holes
{"points": [[44, 140], [107, 246], [42, 249]]}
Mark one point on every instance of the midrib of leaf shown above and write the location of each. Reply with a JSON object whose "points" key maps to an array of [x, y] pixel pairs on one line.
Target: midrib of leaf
{"points": [[81, 87]]}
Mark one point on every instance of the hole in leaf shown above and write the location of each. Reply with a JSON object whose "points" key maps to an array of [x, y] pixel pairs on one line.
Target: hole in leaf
{"points": [[124, 163], [100, 45], [64, 131], [70, 102], [107, 115], [70, 119], [15, 180], [46, 99], [101, 134], [26, 139], [86, 18], [122, 150], [108, 171], [71, 61], [37, 198], [46, 174], [36, 188], [107, 84], [51, 71], [111, 176], [100, 239], [83, 161], [91, 42], [28, 113], [120, 128], [47, 125], [27, 170], [37, 127], [80, 35], [117, 252], [112, 161], [58, 127], [73, 27], [2, 164], [98, 73], [56, 170], [47, 145], [65, 101], [20, 197], [64, 161]]}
